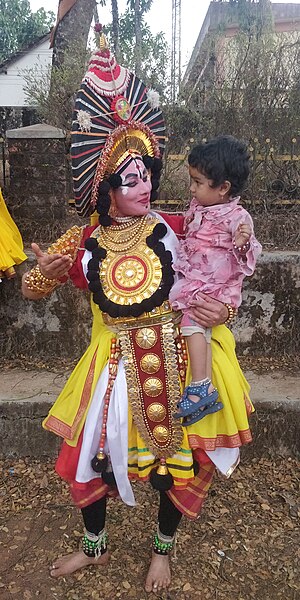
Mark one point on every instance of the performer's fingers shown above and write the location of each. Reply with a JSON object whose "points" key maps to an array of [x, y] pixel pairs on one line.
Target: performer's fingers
{"points": [[37, 250]]}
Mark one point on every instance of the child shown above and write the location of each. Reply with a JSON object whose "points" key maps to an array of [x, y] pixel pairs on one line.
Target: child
{"points": [[218, 251]]}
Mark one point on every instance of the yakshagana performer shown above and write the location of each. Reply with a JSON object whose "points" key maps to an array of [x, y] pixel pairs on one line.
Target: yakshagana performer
{"points": [[116, 412]]}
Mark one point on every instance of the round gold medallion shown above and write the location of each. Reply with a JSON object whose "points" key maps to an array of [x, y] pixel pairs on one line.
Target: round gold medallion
{"points": [[146, 337], [130, 277], [161, 433], [150, 363], [156, 412], [129, 273], [153, 386]]}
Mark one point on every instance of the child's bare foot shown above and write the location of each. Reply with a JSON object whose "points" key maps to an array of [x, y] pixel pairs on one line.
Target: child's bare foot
{"points": [[159, 574], [194, 399], [65, 565]]}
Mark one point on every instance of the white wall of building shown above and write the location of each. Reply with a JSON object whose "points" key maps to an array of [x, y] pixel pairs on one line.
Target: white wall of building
{"points": [[12, 83]]}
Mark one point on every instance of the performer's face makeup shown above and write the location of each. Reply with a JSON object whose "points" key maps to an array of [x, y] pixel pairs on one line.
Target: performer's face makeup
{"points": [[132, 198]]}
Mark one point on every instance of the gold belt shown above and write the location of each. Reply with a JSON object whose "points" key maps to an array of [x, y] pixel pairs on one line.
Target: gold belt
{"points": [[159, 315]]}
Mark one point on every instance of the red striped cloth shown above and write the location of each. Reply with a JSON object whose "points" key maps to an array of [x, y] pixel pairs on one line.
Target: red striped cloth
{"points": [[189, 500]]}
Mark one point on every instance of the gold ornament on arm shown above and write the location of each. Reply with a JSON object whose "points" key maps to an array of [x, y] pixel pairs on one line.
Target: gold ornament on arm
{"points": [[36, 282], [68, 243]]}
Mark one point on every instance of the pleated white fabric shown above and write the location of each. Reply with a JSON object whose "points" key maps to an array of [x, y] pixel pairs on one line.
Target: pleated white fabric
{"points": [[116, 446]]}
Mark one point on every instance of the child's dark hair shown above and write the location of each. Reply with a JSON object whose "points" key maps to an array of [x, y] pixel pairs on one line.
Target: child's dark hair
{"points": [[223, 158]]}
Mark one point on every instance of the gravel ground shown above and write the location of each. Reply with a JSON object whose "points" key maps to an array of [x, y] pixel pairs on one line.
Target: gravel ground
{"points": [[245, 545]]}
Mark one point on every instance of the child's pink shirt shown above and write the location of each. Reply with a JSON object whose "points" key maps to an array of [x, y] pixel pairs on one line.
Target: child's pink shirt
{"points": [[207, 260]]}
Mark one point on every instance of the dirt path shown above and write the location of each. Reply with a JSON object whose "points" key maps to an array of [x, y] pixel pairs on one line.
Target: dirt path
{"points": [[246, 544]]}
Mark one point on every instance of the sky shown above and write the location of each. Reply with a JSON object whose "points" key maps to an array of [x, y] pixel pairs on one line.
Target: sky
{"points": [[159, 19]]}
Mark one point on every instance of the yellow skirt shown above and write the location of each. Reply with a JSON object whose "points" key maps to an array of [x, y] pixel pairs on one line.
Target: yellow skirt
{"points": [[11, 245], [228, 428]]}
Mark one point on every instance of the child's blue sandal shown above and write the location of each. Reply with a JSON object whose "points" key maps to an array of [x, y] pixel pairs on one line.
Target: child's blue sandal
{"points": [[201, 413], [188, 407]]}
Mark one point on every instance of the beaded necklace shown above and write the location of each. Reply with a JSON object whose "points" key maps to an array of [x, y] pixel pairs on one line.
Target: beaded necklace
{"points": [[124, 236], [119, 219]]}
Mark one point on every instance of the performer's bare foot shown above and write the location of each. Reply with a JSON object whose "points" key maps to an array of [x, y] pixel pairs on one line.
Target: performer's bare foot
{"points": [[159, 574], [65, 565]]}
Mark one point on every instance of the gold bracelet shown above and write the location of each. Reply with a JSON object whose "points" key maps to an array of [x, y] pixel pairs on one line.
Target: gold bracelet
{"points": [[36, 282], [232, 312]]}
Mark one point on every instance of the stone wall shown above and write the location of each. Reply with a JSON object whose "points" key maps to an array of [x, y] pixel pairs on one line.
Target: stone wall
{"points": [[38, 193], [269, 317], [59, 326]]}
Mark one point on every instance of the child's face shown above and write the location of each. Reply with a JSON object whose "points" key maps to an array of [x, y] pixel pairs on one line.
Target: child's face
{"points": [[202, 189]]}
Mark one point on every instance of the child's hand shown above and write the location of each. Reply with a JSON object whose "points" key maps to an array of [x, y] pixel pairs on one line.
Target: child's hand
{"points": [[242, 234]]}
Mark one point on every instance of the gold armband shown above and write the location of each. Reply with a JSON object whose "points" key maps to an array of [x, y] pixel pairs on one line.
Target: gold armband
{"points": [[36, 282], [68, 243], [232, 312]]}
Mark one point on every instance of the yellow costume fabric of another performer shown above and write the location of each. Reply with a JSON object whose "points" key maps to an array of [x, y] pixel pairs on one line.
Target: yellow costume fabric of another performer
{"points": [[11, 245]]}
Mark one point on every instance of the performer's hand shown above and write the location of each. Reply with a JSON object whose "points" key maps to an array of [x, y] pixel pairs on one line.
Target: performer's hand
{"points": [[208, 312], [52, 266]]}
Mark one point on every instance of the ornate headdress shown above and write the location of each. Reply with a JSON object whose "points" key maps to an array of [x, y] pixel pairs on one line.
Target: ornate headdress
{"points": [[115, 117]]}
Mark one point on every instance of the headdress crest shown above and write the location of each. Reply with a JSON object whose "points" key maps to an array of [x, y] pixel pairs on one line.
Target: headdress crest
{"points": [[115, 116]]}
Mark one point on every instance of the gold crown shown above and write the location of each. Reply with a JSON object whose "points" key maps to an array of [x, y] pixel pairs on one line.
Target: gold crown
{"points": [[134, 138]]}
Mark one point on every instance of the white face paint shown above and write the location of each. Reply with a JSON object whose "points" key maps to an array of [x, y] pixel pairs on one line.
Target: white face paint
{"points": [[124, 187], [133, 196]]}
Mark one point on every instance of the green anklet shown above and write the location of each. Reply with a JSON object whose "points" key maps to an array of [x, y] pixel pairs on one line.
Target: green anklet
{"points": [[94, 545], [161, 545]]}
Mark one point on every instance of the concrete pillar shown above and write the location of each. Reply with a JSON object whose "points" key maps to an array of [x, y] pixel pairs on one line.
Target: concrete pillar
{"points": [[38, 193]]}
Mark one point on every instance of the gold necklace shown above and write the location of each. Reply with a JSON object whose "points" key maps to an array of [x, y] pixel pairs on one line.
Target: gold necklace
{"points": [[124, 236]]}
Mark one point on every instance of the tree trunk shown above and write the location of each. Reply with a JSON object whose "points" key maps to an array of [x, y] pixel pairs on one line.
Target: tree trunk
{"points": [[138, 37], [96, 14], [115, 27], [75, 25]]}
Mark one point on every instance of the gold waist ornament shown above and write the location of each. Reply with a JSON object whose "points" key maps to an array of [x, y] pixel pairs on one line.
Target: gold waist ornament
{"points": [[150, 356]]}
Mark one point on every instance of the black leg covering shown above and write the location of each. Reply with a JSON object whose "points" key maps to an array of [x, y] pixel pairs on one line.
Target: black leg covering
{"points": [[169, 516], [94, 516]]}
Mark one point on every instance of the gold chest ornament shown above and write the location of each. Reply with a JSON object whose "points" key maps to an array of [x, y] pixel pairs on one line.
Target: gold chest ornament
{"points": [[131, 271]]}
